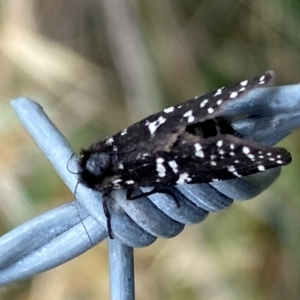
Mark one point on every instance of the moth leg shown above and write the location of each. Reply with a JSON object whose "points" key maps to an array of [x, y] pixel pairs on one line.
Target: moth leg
{"points": [[141, 195], [166, 190], [107, 215], [158, 189]]}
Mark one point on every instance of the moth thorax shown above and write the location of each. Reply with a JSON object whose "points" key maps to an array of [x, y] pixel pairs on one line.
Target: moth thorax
{"points": [[98, 163]]}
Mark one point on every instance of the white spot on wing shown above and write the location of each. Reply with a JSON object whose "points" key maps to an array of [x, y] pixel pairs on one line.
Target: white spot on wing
{"points": [[116, 183], [244, 83], [124, 131], [129, 182], [189, 114], [251, 157], [109, 141], [219, 143], [173, 165], [246, 150], [203, 103], [236, 174], [233, 95], [210, 110], [183, 178], [198, 146], [231, 169], [198, 150], [160, 168], [261, 168], [218, 92], [169, 109], [152, 126], [117, 180]]}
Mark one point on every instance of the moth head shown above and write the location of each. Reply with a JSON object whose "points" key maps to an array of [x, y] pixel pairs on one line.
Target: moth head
{"points": [[93, 166]]}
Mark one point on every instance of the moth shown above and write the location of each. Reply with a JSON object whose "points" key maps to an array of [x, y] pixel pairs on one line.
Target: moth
{"points": [[183, 144]]}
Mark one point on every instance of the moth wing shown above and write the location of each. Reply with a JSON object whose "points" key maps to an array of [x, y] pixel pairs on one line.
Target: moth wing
{"points": [[193, 159], [195, 110], [224, 157]]}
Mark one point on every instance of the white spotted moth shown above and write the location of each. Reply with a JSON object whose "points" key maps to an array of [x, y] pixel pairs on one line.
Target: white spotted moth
{"points": [[183, 144]]}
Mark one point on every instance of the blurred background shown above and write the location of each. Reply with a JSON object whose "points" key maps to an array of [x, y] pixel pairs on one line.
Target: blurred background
{"points": [[98, 66]]}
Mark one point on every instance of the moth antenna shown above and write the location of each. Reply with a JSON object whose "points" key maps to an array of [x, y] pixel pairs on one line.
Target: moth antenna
{"points": [[75, 190], [82, 220], [75, 173]]}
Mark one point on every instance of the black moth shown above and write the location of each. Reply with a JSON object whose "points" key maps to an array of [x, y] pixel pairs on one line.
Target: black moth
{"points": [[186, 143]]}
